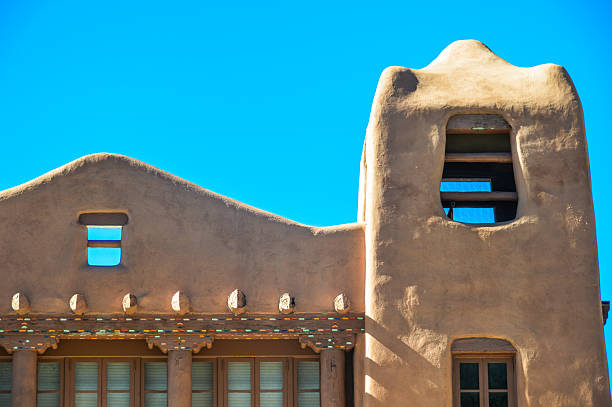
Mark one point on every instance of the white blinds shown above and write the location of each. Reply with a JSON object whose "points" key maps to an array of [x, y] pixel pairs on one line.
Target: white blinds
{"points": [[156, 376], [156, 384], [118, 382], [271, 375], [308, 375], [49, 383], [85, 376], [202, 376], [308, 384], [239, 376], [5, 376]]}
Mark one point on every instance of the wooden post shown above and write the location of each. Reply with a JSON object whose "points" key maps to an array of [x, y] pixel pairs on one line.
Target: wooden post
{"points": [[23, 392], [332, 378], [179, 378]]}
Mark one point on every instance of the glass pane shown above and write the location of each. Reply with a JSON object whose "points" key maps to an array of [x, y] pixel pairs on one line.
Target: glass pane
{"points": [[473, 215], [5, 400], [498, 399], [465, 186], [308, 375], [498, 379], [156, 376], [156, 399], [271, 375], [271, 399], [48, 400], [239, 400], [6, 376], [202, 400], [468, 376], [309, 399], [202, 376], [239, 376], [118, 400], [470, 399], [85, 376], [104, 233], [118, 376], [85, 400], [48, 376], [103, 256]]}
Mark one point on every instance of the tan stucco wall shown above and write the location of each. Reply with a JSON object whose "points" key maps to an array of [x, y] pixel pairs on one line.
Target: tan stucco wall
{"points": [[533, 281], [179, 237]]}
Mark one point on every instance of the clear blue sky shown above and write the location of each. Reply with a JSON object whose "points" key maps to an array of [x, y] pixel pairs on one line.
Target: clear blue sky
{"points": [[265, 103]]}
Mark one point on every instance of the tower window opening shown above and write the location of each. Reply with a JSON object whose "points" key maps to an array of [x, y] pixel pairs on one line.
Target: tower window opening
{"points": [[478, 178]]}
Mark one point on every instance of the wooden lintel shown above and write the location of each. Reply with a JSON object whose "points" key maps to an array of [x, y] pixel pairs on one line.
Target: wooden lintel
{"points": [[122, 326], [105, 244], [502, 158], [103, 219], [470, 123], [479, 196]]}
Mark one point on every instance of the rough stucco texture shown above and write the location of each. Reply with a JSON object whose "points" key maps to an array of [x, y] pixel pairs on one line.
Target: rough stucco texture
{"points": [[533, 281], [179, 237]]}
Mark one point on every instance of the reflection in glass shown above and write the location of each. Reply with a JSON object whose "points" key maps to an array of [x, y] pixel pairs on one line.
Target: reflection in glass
{"points": [[470, 399], [468, 376]]}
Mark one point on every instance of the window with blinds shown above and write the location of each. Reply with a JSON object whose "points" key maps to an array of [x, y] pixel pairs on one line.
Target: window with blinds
{"points": [[308, 384], [203, 381], [49, 384], [6, 378], [140, 382], [93, 383], [155, 384]]}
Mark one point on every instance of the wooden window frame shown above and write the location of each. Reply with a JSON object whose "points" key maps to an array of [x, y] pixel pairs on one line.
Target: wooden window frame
{"points": [[295, 379], [67, 377], [285, 390], [224, 379], [483, 359], [142, 392], [63, 370]]}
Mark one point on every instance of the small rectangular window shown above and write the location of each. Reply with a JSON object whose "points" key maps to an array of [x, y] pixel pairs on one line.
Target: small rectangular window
{"points": [[104, 245], [6, 380], [104, 236]]}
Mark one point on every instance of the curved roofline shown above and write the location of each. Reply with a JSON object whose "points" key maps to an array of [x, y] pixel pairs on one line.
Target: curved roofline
{"points": [[94, 159]]}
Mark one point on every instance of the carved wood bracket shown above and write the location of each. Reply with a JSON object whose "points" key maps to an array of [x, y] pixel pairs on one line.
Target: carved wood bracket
{"points": [[334, 340], [38, 343], [195, 343]]}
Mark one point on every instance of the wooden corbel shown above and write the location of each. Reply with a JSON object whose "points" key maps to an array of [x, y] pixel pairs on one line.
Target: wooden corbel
{"points": [[38, 343], [333, 340], [195, 343]]}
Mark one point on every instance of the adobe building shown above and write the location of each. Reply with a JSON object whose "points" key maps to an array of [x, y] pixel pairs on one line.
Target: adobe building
{"points": [[469, 279]]}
